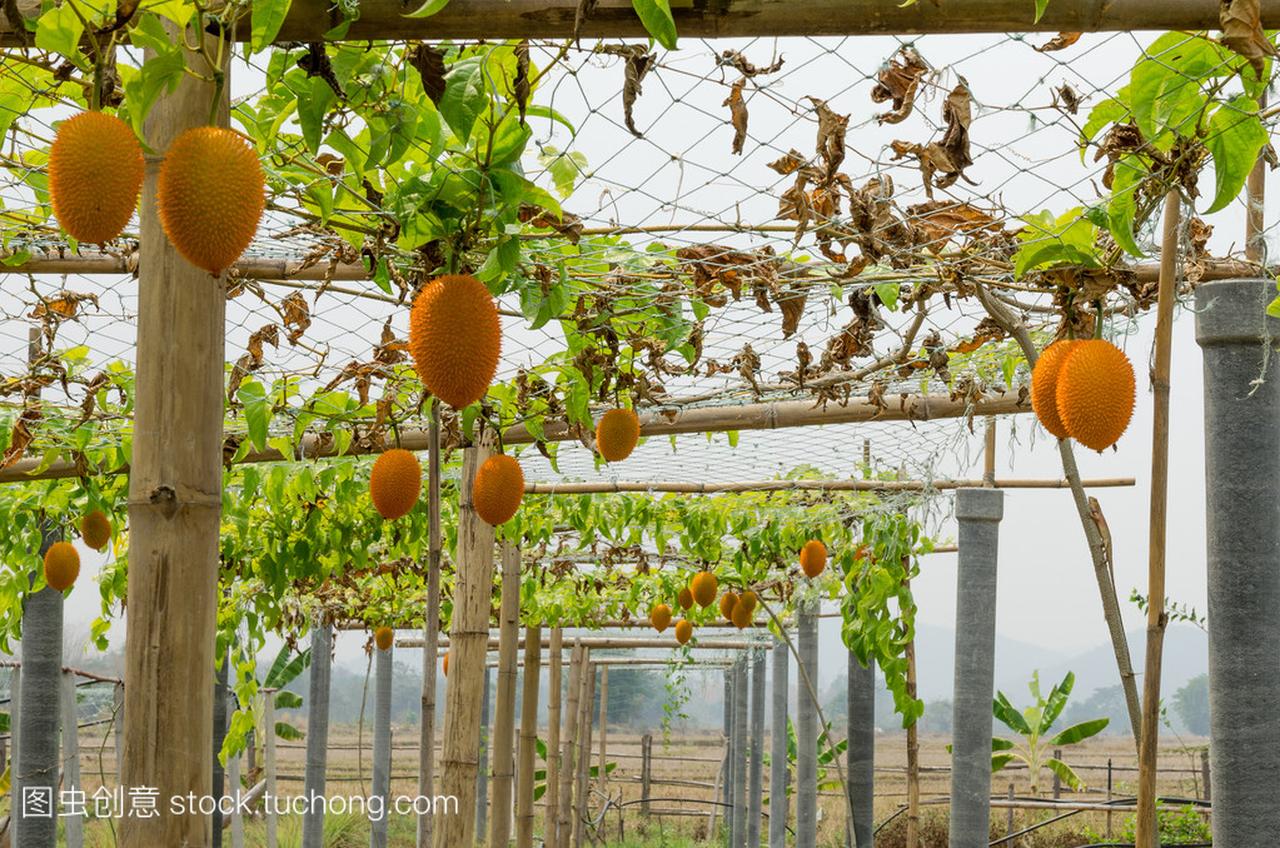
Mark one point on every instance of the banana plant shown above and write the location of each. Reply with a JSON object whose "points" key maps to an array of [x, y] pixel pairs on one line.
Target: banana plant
{"points": [[1033, 725], [827, 754]]}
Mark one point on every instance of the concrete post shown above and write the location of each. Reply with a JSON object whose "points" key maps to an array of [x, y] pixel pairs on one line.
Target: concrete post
{"points": [[861, 755], [778, 748], [1242, 477], [381, 746], [726, 791], [317, 732], [738, 765], [978, 512], [807, 730], [482, 772], [755, 766]]}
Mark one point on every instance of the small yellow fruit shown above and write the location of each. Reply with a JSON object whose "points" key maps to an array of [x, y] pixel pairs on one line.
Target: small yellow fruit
{"points": [[210, 195], [383, 637], [727, 602], [748, 600], [447, 654], [741, 616], [617, 434], [61, 565], [685, 598], [1044, 385], [813, 558], [498, 489], [1096, 393], [95, 174], [455, 338], [395, 483], [95, 530], [684, 631], [660, 617], [704, 588]]}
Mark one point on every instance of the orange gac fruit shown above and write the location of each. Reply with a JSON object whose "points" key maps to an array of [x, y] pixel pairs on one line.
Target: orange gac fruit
{"points": [[498, 489], [741, 615], [704, 588], [617, 433], [210, 196], [383, 637], [727, 602], [660, 617], [61, 566], [395, 483], [95, 530], [1044, 385], [684, 631], [455, 338], [748, 600], [685, 598], [813, 558], [1096, 393], [95, 175], [447, 654]]}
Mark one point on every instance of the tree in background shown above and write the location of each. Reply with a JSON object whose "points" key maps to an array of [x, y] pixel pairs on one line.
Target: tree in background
{"points": [[1192, 705]]}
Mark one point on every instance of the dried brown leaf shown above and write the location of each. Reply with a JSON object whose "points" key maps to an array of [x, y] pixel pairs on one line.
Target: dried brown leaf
{"points": [[735, 59], [429, 63], [1061, 41], [737, 115], [898, 81], [790, 163], [1242, 32]]}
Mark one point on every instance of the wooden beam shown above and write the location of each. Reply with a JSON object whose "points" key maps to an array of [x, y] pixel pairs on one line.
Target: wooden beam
{"points": [[309, 20], [610, 643], [605, 487]]}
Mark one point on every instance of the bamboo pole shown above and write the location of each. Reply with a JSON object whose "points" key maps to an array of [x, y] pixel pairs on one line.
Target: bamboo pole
{"points": [[1255, 242], [586, 714], [269, 764], [381, 785], [989, 456], [317, 730], [611, 643], [430, 631], [663, 421], [74, 827], [685, 487], [505, 709], [482, 769], [569, 747], [602, 774], [175, 496], [528, 738], [1146, 834], [551, 796], [468, 638]]}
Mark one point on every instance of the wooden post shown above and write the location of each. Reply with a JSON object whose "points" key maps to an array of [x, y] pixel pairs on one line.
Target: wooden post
{"points": [[989, 453], [646, 771], [1109, 784], [74, 828], [1057, 781], [505, 708], [381, 786], [482, 770], [602, 775], [1146, 835], [586, 715], [468, 642], [551, 796], [430, 631], [569, 737], [317, 730], [527, 755], [1204, 775], [1008, 817], [269, 766], [175, 496]]}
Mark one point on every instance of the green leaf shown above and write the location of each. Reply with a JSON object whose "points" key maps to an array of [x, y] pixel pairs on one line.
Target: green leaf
{"points": [[313, 104], [998, 744], [1235, 138], [257, 412], [1164, 86], [888, 294], [1129, 174], [428, 9], [288, 732], [1013, 719], [1057, 701], [160, 73], [1000, 761], [1041, 5], [1273, 308], [657, 20], [1110, 111], [1079, 732], [288, 700], [59, 29], [464, 96], [268, 17], [1048, 241], [1065, 773]]}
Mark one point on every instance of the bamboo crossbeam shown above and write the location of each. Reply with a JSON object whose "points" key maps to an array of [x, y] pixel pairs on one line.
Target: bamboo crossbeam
{"points": [[611, 644], [661, 422], [309, 20], [608, 486]]}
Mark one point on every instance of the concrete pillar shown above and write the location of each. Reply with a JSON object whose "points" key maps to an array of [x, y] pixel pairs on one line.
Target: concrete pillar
{"points": [[755, 765], [1242, 478], [978, 512], [726, 793], [778, 747], [381, 745], [738, 765], [861, 755], [807, 729], [482, 772]]}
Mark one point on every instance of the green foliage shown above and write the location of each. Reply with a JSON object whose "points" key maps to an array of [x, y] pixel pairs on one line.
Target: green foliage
{"points": [[1033, 725], [1174, 826], [656, 17], [1046, 241], [1192, 704]]}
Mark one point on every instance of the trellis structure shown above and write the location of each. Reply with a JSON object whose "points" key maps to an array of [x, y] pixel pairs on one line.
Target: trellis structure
{"points": [[179, 447]]}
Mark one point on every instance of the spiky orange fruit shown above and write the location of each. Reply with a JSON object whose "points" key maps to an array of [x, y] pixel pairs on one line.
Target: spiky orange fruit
{"points": [[1044, 385], [727, 602], [383, 637], [1096, 393], [95, 174], [447, 654], [741, 615], [748, 600], [210, 195], [498, 489], [660, 617], [813, 558], [685, 598], [395, 483], [617, 433], [455, 338], [704, 588], [684, 630], [95, 530], [61, 565]]}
